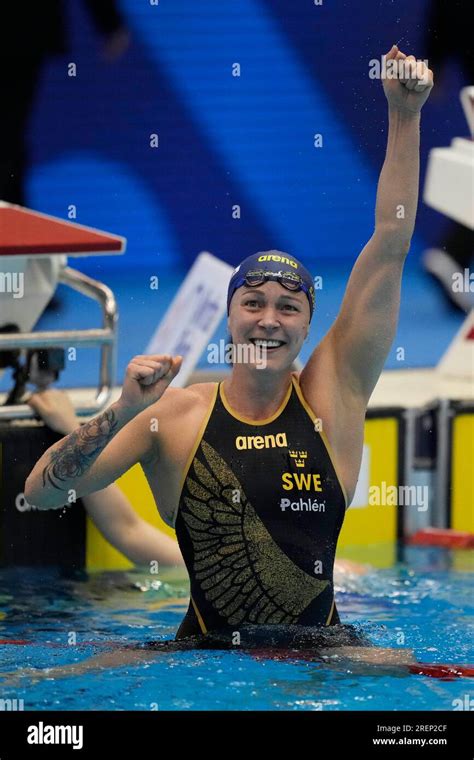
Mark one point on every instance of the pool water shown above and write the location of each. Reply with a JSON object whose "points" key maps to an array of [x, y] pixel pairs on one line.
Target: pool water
{"points": [[50, 619]]}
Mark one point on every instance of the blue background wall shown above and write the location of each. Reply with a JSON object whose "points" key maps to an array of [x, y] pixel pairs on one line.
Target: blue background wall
{"points": [[227, 140]]}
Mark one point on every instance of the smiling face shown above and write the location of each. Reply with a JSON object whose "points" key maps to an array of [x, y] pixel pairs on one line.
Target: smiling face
{"points": [[270, 315]]}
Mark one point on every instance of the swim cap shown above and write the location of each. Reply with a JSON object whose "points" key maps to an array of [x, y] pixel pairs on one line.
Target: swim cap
{"points": [[276, 262]]}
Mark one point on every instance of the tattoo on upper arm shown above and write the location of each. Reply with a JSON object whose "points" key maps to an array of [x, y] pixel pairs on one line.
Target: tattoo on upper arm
{"points": [[79, 450]]}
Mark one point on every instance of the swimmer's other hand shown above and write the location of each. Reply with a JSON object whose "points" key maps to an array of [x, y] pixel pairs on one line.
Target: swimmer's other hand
{"points": [[146, 379], [55, 409]]}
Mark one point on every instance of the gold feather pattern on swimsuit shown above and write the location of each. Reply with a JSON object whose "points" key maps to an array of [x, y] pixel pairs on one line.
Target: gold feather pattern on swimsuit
{"points": [[241, 570]]}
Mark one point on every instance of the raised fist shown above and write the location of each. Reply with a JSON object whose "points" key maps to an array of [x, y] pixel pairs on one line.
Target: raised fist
{"points": [[407, 82], [146, 379]]}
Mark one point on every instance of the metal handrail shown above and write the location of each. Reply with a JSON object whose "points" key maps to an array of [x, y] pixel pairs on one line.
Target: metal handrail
{"points": [[105, 337]]}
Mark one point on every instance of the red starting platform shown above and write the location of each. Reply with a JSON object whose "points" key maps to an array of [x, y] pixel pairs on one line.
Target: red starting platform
{"points": [[24, 232]]}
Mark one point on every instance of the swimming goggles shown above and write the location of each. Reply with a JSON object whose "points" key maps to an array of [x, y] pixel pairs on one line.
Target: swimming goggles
{"points": [[289, 280]]}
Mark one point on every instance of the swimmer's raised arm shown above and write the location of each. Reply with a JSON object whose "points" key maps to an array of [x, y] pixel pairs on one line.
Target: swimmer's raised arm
{"points": [[98, 452], [359, 341]]}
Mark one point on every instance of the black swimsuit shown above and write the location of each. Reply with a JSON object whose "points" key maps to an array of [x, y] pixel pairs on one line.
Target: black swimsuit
{"points": [[260, 512]]}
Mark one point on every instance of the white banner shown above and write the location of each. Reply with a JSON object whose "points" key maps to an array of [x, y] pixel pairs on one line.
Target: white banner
{"points": [[458, 360], [194, 314]]}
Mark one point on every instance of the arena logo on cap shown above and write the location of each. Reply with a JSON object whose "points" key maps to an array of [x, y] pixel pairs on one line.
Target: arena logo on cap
{"points": [[281, 259]]}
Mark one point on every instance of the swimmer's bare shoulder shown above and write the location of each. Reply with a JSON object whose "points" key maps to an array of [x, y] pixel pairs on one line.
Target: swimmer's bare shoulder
{"points": [[177, 413], [177, 417]]}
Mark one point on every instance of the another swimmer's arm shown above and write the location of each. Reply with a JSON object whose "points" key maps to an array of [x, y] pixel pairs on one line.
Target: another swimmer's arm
{"points": [[359, 341], [109, 508], [116, 519], [98, 452]]}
